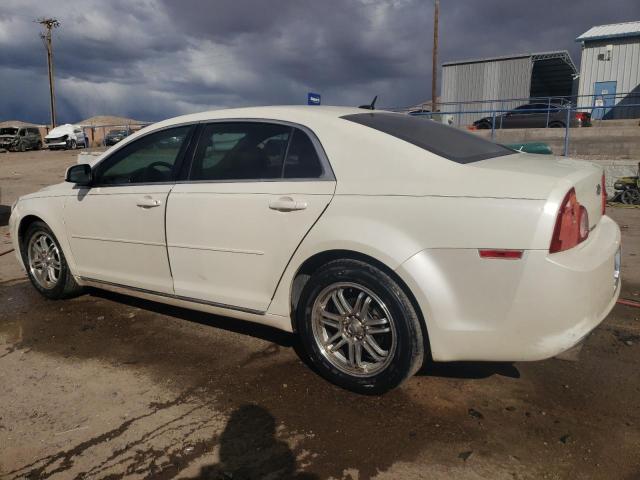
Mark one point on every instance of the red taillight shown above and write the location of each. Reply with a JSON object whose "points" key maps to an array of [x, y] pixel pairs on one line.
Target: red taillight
{"points": [[604, 196], [503, 254], [582, 116], [572, 224]]}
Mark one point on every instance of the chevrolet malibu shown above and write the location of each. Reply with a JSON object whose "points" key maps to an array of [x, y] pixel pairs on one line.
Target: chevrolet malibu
{"points": [[384, 241]]}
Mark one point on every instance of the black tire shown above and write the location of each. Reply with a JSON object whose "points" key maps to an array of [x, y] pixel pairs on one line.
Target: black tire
{"points": [[556, 125], [630, 197], [484, 126], [39, 146], [73, 145], [66, 286], [22, 147], [406, 359]]}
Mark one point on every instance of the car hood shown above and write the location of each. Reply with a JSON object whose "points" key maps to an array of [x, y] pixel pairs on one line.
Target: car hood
{"points": [[59, 189], [60, 131]]}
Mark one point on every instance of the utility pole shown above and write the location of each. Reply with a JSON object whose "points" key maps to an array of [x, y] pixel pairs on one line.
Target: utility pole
{"points": [[434, 66], [49, 24]]}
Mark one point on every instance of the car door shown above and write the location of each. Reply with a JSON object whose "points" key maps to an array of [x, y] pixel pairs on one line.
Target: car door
{"points": [[254, 191], [517, 118], [116, 227]]}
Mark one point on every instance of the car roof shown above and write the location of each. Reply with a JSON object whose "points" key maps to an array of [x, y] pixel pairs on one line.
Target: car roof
{"points": [[304, 114]]}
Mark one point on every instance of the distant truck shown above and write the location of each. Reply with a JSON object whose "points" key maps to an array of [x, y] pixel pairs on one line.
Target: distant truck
{"points": [[20, 139], [67, 137]]}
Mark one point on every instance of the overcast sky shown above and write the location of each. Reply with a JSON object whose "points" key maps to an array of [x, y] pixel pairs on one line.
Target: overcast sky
{"points": [[152, 59]]}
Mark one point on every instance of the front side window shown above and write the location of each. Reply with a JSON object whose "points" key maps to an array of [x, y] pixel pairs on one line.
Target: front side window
{"points": [[150, 159], [254, 151]]}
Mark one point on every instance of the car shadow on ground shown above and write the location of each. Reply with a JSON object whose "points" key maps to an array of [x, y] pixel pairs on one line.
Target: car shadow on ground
{"points": [[463, 370], [469, 370], [263, 332], [5, 213]]}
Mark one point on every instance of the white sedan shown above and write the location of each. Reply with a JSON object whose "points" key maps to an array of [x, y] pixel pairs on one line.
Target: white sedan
{"points": [[381, 239]]}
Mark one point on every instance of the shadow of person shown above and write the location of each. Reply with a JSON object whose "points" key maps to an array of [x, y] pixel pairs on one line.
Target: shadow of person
{"points": [[249, 450]]}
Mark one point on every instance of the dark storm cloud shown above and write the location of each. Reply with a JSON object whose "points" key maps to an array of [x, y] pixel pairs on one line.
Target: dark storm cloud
{"points": [[155, 58]]}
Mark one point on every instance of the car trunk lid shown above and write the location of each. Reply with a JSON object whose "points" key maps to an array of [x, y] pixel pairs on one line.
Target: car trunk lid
{"points": [[553, 175]]}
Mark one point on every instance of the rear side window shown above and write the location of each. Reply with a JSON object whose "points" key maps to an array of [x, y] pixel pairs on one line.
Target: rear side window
{"points": [[244, 151], [448, 142], [302, 158]]}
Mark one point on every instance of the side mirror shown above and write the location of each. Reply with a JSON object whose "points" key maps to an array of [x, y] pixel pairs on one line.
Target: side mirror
{"points": [[79, 174]]}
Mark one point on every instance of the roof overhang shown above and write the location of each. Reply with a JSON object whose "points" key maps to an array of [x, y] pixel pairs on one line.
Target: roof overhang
{"points": [[561, 55], [611, 32]]}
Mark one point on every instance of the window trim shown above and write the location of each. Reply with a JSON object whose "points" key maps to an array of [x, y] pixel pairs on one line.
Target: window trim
{"points": [[327, 175], [185, 151]]}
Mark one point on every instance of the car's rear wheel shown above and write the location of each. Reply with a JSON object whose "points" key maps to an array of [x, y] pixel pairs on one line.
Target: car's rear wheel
{"points": [[556, 125], [358, 327], [46, 264]]}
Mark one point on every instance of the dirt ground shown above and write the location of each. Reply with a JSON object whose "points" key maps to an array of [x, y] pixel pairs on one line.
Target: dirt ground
{"points": [[107, 386]]}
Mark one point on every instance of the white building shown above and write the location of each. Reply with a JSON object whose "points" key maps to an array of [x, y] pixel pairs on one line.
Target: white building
{"points": [[610, 71]]}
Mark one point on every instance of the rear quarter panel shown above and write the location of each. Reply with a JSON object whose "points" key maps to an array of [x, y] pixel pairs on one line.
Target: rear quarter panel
{"points": [[391, 229]]}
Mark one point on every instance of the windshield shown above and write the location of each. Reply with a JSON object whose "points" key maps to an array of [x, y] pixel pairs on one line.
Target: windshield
{"points": [[8, 131], [448, 142]]}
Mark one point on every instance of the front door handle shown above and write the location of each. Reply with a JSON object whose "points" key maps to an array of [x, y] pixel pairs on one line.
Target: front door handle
{"points": [[287, 204], [148, 202]]}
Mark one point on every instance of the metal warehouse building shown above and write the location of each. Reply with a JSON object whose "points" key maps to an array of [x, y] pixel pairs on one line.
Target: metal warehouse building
{"points": [[548, 74], [610, 70]]}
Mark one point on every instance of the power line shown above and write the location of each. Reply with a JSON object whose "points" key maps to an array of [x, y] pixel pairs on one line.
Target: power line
{"points": [[49, 24]]}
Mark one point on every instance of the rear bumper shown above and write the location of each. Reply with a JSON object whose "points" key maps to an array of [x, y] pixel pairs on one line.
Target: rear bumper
{"points": [[514, 310]]}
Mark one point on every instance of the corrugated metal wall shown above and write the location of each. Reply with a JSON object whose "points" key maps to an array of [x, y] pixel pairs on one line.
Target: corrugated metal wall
{"points": [[623, 68], [491, 80]]}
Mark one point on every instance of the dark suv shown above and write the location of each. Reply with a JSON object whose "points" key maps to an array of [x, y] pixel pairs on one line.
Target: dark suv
{"points": [[536, 115], [20, 138], [114, 136]]}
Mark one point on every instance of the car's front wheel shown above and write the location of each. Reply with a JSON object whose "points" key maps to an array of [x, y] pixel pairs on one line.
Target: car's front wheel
{"points": [[358, 327], [46, 264]]}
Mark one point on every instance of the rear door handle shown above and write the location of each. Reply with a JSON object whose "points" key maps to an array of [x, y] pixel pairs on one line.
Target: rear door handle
{"points": [[287, 204], [148, 202]]}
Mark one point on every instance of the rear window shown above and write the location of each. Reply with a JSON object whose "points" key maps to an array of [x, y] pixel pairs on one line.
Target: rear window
{"points": [[448, 142]]}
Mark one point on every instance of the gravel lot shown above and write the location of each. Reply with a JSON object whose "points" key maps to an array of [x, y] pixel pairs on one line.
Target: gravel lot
{"points": [[107, 386]]}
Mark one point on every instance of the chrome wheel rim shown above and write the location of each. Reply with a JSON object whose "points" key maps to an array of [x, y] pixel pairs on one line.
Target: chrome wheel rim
{"points": [[353, 329], [44, 260]]}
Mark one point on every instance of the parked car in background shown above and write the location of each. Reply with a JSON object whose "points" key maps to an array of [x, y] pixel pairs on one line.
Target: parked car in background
{"points": [[20, 138], [380, 239], [114, 136], [66, 137], [536, 115]]}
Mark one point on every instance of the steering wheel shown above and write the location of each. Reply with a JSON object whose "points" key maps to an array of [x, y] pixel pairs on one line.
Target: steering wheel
{"points": [[159, 164], [153, 169]]}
